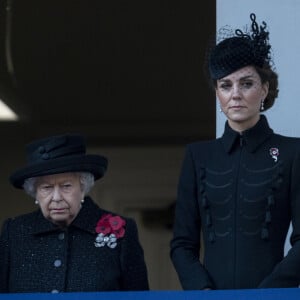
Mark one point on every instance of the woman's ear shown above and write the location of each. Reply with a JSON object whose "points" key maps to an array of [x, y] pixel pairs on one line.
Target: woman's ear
{"points": [[265, 88]]}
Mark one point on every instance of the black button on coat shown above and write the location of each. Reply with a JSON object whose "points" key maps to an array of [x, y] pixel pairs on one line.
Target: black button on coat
{"points": [[241, 191], [37, 256]]}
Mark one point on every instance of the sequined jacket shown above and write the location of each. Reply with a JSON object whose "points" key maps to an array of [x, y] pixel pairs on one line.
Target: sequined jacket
{"points": [[241, 191], [36, 256]]}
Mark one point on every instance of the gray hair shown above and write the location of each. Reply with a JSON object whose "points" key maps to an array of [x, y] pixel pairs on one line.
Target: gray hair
{"points": [[87, 181]]}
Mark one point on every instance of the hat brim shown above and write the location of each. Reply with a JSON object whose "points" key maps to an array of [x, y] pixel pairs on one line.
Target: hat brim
{"points": [[95, 164]]}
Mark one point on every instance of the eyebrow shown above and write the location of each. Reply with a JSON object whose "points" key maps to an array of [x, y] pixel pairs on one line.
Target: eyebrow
{"points": [[242, 78]]}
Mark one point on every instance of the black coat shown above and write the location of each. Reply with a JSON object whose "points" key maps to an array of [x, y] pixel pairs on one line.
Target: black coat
{"points": [[241, 191], [37, 256]]}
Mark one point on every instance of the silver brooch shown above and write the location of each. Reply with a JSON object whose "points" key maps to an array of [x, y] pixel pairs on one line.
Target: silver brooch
{"points": [[102, 240]]}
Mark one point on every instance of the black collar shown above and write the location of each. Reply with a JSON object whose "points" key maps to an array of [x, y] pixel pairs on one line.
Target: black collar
{"points": [[251, 138]]}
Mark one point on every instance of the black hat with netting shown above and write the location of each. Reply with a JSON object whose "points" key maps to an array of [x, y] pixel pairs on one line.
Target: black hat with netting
{"points": [[240, 50]]}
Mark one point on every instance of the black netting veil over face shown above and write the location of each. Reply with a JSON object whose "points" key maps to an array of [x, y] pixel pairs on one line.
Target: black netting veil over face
{"points": [[240, 50]]}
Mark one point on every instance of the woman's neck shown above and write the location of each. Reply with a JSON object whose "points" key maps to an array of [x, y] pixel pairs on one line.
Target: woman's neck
{"points": [[243, 126]]}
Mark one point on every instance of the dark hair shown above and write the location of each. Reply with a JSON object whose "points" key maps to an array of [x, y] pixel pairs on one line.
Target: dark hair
{"points": [[267, 74]]}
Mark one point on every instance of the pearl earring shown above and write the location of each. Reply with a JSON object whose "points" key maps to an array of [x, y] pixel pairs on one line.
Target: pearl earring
{"points": [[220, 109], [36, 202], [262, 107], [82, 201]]}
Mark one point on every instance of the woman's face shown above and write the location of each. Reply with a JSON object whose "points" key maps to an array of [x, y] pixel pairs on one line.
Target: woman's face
{"points": [[240, 95], [59, 197]]}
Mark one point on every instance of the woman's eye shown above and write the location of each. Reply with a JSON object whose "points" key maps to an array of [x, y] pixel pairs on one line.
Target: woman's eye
{"points": [[66, 186], [247, 84], [225, 86], [45, 189]]}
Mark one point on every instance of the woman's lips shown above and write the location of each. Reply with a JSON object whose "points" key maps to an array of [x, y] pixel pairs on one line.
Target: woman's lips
{"points": [[58, 210], [236, 107]]}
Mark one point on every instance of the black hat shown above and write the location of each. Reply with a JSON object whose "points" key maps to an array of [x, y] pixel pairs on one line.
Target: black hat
{"points": [[58, 154], [240, 50]]}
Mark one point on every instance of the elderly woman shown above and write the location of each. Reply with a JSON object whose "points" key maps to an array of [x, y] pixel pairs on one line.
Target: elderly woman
{"points": [[69, 244]]}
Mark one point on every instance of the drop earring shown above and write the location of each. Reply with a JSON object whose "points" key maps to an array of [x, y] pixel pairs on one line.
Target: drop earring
{"points": [[220, 109], [262, 107]]}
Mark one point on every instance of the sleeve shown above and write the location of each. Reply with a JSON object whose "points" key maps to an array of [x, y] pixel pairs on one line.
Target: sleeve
{"points": [[4, 257], [134, 270], [185, 245], [287, 272]]}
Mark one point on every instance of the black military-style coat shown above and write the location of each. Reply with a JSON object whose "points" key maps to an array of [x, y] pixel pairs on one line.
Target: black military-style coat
{"points": [[241, 191], [37, 256]]}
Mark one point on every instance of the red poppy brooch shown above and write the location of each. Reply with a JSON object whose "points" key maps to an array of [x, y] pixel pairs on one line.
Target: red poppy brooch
{"points": [[109, 228]]}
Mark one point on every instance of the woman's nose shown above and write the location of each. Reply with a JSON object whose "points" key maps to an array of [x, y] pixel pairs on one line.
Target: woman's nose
{"points": [[236, 91], [56, 196]]}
